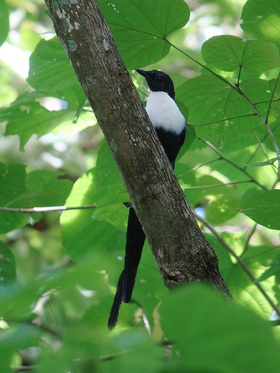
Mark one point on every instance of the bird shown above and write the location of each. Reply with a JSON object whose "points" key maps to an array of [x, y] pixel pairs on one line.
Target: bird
{"points": [[170, 126]]}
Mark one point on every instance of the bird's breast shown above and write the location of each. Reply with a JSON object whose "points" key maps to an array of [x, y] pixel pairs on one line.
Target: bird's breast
{"points": [[164, 113]]}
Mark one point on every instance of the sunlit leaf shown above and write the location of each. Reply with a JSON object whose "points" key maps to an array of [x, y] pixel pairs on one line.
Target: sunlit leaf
{"points": [[246, 293], [261, 19], [82, 233], [230, 53], [269, 162]]}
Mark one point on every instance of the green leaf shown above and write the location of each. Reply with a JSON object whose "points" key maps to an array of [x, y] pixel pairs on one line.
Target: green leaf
{"points": [[12, 181], [110, 190], [210, 99], [4, 21], [82, 233], [46, 188], [230, 338], [51, 73], [229, 53], [262, 207], [18, 190], [261, 19], [272, 271], [140, 27], [7, 264], [27, 117]]}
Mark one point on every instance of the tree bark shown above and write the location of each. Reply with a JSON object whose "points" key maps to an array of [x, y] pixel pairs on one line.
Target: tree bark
{"points": [[180, 248]]}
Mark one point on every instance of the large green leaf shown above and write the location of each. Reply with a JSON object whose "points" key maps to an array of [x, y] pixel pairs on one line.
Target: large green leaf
{"points": [[262, 207], [82, 232], [27, 117], [18, 190], [110, 191], [46, 188], [12, 187], [230, 53], [4, 21], [210, 99], [261, 18], [140, 27], [51, 73], [230, 338]]}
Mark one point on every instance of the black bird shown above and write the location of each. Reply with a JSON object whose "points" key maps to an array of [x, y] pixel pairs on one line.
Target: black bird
{"points": [[170, 127]]}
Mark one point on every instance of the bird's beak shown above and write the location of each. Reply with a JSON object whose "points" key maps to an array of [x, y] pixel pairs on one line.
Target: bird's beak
{"points": [[143, 73]]}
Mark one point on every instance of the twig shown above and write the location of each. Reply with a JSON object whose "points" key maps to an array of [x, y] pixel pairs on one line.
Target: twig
{"points": [[233, 164], [249, 238], [240, 262], [45, 209]]}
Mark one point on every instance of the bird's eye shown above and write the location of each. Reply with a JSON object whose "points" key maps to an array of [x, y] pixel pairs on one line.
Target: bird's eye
{"points": [[159, 79]]}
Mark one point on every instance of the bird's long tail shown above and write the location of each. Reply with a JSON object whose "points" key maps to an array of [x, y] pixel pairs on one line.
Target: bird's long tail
{"points": [[135, 238]]}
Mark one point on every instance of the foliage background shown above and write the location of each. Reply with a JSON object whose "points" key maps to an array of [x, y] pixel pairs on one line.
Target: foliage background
{"points": [[58, 270]]}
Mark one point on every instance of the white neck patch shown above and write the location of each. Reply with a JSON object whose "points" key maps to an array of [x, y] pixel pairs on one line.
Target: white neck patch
{"points": [[163, 112]]}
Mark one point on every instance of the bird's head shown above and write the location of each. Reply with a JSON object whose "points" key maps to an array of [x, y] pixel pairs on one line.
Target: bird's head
{"points": [[158, 81]]}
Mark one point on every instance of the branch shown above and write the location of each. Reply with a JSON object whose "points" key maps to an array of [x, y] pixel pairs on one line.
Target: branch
{"points": [[33, 210], [180, 248]]}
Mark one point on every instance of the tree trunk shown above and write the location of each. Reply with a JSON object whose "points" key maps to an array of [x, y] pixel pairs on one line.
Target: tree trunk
{"points": [[180, 248]]}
